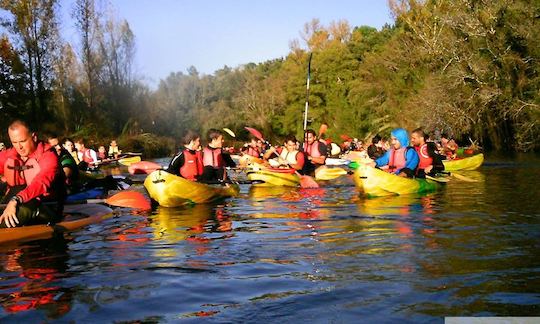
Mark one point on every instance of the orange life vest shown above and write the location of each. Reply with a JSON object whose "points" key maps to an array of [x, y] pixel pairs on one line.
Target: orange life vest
{"points": [[425, 159], [253, 151], [313, 149], [17, 172], [192, 165], [397, 159], [212, 157]]}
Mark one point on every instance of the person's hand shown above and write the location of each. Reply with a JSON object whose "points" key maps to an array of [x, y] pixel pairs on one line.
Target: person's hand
{"points": [[9, 216], [428, 169]]}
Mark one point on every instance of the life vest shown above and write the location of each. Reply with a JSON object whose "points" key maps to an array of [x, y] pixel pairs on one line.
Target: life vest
{"points": [[212, 157], [290, 157], [425, 159], [17, 172], [397, 159], [313, 149], [86, 156], [192, 165], [253, 151]]}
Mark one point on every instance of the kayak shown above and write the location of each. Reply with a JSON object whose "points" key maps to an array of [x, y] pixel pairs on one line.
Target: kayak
{"points": [[336, 162], [169, 190], [129, 160], [77, 216], [143, 167], [468, 163], [274, 177], [374, 182]]}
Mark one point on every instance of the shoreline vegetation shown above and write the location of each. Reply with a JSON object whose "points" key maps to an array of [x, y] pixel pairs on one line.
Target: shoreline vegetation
{"points": [[469, 69]]}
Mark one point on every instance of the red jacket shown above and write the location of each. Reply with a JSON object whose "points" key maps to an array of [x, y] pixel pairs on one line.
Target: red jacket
{"points": [[42, 184]]}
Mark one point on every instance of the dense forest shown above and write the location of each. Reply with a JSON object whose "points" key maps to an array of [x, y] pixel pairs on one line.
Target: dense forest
{"points": [[469, 68]]}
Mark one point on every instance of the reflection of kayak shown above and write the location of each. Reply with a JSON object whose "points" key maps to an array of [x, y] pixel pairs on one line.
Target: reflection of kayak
{"points": [[468, 163], [275, 177], [173, 191], [374, 182], [143, 167], [77, 217], [177, 224]]}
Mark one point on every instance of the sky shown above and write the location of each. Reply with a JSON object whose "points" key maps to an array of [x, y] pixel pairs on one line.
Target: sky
{"points": [[172, 35]]}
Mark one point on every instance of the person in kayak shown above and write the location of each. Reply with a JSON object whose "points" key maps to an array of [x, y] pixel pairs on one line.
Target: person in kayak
{"points": [[114, 150], [315, 152], [401, 159], [449, 147], [287, 155], [87, 156], [430, 162], [214, 160], [70, 147], [188, 163], [69, 165], [253, 149], [375, 150], [33, 175]]}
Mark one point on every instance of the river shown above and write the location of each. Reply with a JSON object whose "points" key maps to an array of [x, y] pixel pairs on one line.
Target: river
{"points": [[289, 255]]}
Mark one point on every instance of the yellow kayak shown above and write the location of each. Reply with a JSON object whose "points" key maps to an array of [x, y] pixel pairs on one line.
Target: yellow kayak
{"points": [[373, 182], [274, 177], [468, 163], [170, 190], [127, 161]]}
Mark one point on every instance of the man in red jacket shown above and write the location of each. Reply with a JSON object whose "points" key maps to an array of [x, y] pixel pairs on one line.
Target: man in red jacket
{"points": [[33, 175]]}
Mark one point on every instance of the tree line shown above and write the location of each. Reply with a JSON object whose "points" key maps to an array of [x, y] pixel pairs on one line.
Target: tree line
{"points": [[467, 68]]}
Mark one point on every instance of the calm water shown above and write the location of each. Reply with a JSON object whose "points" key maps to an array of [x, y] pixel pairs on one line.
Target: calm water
{"points": [[283, 255]]}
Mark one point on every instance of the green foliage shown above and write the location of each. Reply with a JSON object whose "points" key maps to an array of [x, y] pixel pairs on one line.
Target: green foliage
{"points": [[150, 145]]}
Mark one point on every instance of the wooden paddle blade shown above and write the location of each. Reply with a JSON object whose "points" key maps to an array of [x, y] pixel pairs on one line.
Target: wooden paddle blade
{"points": [[323, 129], [308, 182], [462, 177], [230, 132], [130, 199], [255, 133]]}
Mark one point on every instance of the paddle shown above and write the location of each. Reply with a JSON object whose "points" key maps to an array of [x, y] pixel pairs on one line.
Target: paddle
{"points": [[305, 181], [459, 176], [126, 198], [230, 132]]}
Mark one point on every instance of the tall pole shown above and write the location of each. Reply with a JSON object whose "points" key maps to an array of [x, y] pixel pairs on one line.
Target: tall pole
{"points": [[307, 92]]}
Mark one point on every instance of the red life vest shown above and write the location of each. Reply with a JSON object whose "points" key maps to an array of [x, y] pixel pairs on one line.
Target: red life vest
{"points": [[192, 165], [313, 149], [425, 159], [17, 172], [212, 157], [86, 156], [397, 159], [253, 151]]}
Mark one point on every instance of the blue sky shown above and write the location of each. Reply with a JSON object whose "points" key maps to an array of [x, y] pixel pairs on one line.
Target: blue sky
{"points": [[172, 35]]}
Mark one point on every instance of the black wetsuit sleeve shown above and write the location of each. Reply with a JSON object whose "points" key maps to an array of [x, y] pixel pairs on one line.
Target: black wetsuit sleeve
{"points": [[323, 149], [228, 160], [176, 163]]}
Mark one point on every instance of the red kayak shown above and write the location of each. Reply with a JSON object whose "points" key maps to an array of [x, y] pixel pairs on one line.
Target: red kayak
{"points": [[144, 167]]}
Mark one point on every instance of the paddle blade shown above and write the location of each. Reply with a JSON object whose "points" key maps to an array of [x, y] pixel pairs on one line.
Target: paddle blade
{"points": [[323, 129], [324, 173], [230, 132], [463, 178], [129, 199], [255, 133], [308, 182]]}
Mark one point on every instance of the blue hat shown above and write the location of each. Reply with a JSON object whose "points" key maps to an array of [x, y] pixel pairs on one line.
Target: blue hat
{"points": [[402, 136]]}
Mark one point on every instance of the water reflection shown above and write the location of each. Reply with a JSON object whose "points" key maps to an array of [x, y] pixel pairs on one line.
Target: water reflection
{"points": [[30, 279]]}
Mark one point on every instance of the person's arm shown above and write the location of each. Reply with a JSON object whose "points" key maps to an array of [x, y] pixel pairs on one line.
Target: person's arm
{"points": [[228, 160], [299, 161], [42, 182], [383, 160], [176, 163], [269, 153]]}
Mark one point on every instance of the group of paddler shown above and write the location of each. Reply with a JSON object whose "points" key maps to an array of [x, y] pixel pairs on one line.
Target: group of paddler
{"points": [[38, 175]]}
